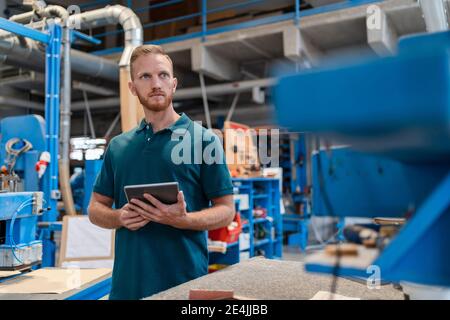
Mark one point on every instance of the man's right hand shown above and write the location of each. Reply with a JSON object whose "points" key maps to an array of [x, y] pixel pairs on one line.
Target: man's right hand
{"points": [[130, 219]]}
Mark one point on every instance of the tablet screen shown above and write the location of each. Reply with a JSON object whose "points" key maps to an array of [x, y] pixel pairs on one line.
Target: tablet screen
{"points": [[165, 192]]}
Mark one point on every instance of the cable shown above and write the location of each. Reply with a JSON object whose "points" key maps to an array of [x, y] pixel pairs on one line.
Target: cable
{"points": [[14, 153], [11, 229], [11, 226]]}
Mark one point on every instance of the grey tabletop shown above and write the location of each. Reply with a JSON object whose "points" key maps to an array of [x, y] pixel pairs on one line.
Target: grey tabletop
{"points": [[266, 279]]}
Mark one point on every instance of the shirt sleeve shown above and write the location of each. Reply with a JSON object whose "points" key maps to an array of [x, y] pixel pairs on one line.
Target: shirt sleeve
{"points": [[215, 176], [104, 183]]}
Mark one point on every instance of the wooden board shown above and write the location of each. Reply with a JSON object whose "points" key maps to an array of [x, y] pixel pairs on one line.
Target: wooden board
{"points": [[364, 258], [6, 274], [52, 280]]}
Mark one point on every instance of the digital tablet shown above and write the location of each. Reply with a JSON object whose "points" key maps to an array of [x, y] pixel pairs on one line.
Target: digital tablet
{"points": [[166, 192]]}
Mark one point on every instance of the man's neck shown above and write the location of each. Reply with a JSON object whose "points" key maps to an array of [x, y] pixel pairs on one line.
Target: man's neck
{"points": [[161, 119]]}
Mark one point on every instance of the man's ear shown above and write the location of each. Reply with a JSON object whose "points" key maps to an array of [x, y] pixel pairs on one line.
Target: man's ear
{"points": [[132, 88], [175, 83]]}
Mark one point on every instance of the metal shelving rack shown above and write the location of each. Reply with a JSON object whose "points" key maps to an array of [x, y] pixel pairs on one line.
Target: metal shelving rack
{"points": [[264, 193], [293, 161]]}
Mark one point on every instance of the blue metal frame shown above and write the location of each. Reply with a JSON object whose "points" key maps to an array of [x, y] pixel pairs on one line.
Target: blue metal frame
{"points": [[427, 232], [95, 292], [52, 97], [82, 36], [296, 16], [404, 132], [369, 179], [24, 31]]}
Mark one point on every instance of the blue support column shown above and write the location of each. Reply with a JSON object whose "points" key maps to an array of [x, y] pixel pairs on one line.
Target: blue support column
{"points": [[204, 19], [52, 85], [297, 12]]}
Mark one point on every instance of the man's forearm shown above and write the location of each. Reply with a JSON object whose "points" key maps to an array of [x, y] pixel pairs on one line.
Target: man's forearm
{"points": [[212, 218], [103, 216]]}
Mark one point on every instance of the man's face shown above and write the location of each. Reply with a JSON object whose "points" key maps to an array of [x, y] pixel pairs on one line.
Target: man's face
{"points": [[153, 82]]}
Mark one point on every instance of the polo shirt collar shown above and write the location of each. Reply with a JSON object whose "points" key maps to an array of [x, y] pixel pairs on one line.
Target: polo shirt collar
{"points": [[181, 123]]}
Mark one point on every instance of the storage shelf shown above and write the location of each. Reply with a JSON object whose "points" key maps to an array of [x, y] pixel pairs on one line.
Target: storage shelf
{"points": [[260, 196], [260, 220], [260, 243], [262, 192]]}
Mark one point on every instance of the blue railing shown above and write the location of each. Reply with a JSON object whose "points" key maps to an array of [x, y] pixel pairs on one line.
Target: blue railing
{"points": [[295, 14]]}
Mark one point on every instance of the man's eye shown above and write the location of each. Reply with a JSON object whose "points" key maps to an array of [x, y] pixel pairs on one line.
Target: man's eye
{"points": [[145, 76], [164, 75]]}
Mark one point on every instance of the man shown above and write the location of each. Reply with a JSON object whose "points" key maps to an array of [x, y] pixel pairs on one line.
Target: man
{"points": [[159, 246]]}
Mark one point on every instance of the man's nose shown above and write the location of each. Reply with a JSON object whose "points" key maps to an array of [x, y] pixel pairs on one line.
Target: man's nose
{"points": [[155, 83]]}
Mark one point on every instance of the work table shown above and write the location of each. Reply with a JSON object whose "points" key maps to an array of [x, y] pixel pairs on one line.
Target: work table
{"points": [[267, 279]]}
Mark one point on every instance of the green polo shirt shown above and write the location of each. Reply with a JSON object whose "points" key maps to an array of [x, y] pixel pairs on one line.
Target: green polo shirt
{"points": [[157, 257]]}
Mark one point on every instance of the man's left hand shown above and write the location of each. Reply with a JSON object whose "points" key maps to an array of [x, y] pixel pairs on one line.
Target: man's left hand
{"points": [[174, 215]]}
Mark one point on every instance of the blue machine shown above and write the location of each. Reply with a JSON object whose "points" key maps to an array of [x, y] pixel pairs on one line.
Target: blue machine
{"points": [[23, 194], [18, 227], [395, 112], [21, 208]]}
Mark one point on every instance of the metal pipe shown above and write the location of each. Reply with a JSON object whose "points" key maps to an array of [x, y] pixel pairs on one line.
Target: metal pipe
{"points": [[26, 53], [112, 126], [233, 106], [96, 104], [222, 89], [88, 112], [64, 161], [205, 100], [133, 37], [434, 14], [23, 18], [20, 103], [51, 11], [83, 86], [188, 93], [41, 12], [112, 15]]}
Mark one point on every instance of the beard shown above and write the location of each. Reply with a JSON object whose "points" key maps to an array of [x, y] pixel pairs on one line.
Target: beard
{"points": [[156, 104]]}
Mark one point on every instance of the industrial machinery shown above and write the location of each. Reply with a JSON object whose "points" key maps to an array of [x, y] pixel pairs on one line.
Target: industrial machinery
{"points": [[29, 172], [22, 156], [388, 119]]}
